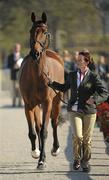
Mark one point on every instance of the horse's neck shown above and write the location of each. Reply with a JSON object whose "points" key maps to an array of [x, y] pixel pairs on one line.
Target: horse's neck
{"points": [[43, 65]]}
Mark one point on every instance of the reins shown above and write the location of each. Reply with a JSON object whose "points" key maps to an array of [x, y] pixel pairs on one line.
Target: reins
{"points": [[36, 57], [54, 89]]}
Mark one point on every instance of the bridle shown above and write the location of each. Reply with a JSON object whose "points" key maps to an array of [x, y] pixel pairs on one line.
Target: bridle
{"points": [[35, 54]]}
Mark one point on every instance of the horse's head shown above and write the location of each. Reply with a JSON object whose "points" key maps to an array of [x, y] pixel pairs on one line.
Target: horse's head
{"points": [[39, 36]]}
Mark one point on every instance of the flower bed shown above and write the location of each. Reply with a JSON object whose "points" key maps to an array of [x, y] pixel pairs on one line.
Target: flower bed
{"points": [[103, 119]]}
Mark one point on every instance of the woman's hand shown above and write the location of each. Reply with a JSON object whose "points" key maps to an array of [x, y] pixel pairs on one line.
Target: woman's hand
{"points": [[90, 100], [49, 82]]}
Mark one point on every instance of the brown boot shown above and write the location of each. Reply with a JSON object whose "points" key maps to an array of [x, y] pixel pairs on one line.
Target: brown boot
{"points": [[76, 164], [85, 166]]}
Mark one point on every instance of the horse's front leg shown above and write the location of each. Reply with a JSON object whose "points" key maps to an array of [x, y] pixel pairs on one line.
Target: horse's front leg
{"points": [[32, 134], [38, 123], [43, 133], [54, 121]]}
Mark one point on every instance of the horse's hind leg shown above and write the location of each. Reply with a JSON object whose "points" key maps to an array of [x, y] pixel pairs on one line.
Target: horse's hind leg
{"points": [[32, 134], [54, 121]]}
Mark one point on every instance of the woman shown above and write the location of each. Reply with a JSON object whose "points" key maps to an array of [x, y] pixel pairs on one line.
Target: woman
{"points": [[87, 91]]}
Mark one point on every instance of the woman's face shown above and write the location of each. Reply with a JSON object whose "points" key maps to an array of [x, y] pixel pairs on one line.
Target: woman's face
{"points": [[81, 63]]}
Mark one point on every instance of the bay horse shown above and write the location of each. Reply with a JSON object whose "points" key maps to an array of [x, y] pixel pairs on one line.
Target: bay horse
{"points": [[37, 66]]}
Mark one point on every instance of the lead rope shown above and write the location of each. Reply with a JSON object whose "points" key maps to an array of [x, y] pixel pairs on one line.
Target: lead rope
{"points": [[55, 90], [52, 87]]}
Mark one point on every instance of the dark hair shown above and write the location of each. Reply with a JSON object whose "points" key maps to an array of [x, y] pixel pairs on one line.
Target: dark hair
{"points": [[86, 55], [89, 59]]}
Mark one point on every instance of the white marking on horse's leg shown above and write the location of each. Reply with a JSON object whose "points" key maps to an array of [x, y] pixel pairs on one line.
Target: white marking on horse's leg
{"points": [[55, 153], [36, 153], [41, 165]]}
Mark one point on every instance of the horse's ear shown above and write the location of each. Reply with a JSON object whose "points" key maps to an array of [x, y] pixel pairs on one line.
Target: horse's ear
{"points": [[33, 17], [44, 17]]}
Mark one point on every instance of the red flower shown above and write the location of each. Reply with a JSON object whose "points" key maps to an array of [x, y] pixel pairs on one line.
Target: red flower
{"points": [[102, 108], [103, 118]]}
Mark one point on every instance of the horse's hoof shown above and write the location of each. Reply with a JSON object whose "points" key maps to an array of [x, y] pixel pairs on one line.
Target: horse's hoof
{"points": [[55, 153], [41, 165], [36, 153]]}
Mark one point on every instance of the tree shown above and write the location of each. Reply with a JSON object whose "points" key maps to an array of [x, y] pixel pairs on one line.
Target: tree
{"points": [[102, 7], [72, 17]]}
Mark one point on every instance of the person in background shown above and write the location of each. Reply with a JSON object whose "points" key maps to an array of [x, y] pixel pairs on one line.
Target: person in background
{"points": [[76, 54], [14, 62], [69, 66], [75, 59], [87, 91], [103, 70]]}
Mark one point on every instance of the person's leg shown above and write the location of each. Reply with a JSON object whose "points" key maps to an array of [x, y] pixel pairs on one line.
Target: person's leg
{"points": [[20, 100], [76, 121], [13, 94], [88, 127], [20, 103]]}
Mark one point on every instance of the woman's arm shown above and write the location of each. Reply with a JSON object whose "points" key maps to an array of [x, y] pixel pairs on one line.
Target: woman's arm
{"points": [[61, 87], [101, 93]]}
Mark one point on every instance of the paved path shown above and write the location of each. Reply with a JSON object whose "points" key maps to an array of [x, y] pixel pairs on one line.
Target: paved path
{"points": [[16, 162]]}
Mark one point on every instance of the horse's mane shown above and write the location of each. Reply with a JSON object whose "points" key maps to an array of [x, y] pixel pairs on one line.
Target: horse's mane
{"points": [[54, 55]]}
